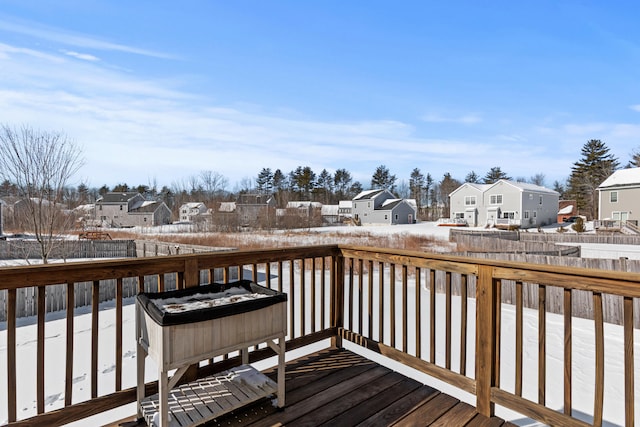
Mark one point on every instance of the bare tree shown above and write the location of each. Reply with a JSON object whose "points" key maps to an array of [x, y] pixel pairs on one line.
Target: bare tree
{"points": [[40, 163]]}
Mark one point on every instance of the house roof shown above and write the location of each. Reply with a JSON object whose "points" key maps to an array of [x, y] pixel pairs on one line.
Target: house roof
{"points": [[191, 205], [303, 204], [345, 204], [146, 207], [118, 197], [622, 177], [369, 194], [566, 210], [524, 186], [227, 207], [480, 187], [329, 210]]}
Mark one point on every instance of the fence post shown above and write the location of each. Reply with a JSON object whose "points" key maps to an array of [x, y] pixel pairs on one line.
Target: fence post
{"points": [[485, 340], [337, 300]]}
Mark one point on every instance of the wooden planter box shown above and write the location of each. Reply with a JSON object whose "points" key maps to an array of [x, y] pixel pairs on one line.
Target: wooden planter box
{"points": [[179, 339]]}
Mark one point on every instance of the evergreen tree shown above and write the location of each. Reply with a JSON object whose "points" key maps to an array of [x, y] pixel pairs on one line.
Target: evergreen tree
{"points": [[596, 165], [383, 179], [560, 187], [472, 177], [342, 183], [494, 175], [635, 159], [303, 180], [428, 192], [325, 186], [447, 186], [265, 181], [416, 186]]}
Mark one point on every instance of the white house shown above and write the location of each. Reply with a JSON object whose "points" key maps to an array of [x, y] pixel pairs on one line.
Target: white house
{"points": [[382, 207], [504, 204], [619, 196], [190, 211]]}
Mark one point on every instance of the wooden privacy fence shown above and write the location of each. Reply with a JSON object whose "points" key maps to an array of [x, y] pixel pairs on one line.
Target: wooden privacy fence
{"points": [[400, 304], [147, 248], [64, 249]]}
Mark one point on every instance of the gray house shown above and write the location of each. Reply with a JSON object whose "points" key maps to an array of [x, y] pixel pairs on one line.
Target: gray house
{"points": [[504, 204], [382, 207], [619, 196], [130, 209]]}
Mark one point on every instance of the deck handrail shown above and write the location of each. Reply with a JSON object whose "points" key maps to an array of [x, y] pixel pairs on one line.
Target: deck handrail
{"points": [[349, 279]]}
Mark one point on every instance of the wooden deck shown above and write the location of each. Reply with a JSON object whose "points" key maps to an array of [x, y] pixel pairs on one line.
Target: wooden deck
{"points": [[336, 387]]}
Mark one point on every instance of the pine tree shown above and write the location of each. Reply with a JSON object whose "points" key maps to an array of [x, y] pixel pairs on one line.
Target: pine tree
{"points": [[416, 186], [472, 177], [494, 175], [596, 165], [383, 179]]}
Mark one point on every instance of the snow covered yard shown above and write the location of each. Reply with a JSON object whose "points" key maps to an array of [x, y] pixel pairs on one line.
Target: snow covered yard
{"points": [[583, 355]]}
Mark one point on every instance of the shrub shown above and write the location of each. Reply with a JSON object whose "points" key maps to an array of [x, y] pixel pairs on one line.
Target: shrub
{"points": [[579, 226]]}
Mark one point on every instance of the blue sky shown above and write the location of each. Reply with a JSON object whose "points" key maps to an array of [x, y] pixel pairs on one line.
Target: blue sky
{"points": [[157, 91]]}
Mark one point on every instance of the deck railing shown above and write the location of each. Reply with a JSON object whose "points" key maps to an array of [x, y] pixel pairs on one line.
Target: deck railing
{"points": [[445, 316]]}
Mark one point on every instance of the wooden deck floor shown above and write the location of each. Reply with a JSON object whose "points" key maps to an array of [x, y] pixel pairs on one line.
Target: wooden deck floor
{"points": [[336, 387]]}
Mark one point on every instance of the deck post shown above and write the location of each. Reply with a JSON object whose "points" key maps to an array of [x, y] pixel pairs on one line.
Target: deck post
{"points": [[485, 339], [337, 300]]}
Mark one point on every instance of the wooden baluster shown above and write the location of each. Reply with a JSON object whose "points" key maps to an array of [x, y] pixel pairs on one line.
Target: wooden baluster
{"points": [[598, 321], [370, 295], [628, 362], [303, 302], [542, 344], [11, 355], [447, 346], [267, 273], [463, 324], [350, 304], [119, 333], [360, 295], [392, 304], [381, 301], [432, 316], [312, 298], [418, 298], [40, 350], [68, 385], [519, 342], [292, 293], [405, 320], [95, 309], [568, 404], [337, 298], [323, 305]]}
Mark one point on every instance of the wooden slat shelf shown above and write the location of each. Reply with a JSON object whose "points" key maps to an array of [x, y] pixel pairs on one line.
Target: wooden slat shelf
{"points": [[202, 400]]}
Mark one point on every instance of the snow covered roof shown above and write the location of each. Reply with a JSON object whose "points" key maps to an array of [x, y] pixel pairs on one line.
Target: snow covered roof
{"points": [[118, 197], [329, 210], [191, 205], [566, 210], [227, 207], [368, 194], [479, 187], [525, 186], [303, 204], [622, 177], [345, 204]]}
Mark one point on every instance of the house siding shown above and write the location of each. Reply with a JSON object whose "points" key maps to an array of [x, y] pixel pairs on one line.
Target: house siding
{"points": [[628, 201]]}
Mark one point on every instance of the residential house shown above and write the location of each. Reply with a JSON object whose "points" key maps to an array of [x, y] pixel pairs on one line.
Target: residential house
{"points": [[130, 209], [254, 209], [189, 212], [619, 196], [504, 204], [382, 207]]}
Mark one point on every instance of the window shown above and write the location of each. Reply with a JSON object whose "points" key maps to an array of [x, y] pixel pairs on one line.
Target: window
{"points": [[469, 200], [459, 215], [535, 214], [496, 199], [526, 215], [541, 198], [508, 215], [530, 196], [386, 216], [396, 216], [121, 206], [613, 197]]}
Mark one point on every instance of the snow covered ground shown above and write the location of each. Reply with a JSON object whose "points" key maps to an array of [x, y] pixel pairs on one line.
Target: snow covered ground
{"points": [[582, 341]]}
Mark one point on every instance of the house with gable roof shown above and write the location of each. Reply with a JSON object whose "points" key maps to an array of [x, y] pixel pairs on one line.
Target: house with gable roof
{"points": [[504, 204], [130, 209], [382, 207], [619, 196], [192, 211]]}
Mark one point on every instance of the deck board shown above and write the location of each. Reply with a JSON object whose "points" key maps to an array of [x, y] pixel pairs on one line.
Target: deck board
{"points": [[336, 387]]}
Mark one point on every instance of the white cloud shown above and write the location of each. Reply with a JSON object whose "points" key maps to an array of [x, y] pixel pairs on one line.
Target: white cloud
{"points": [[635, 107], [467, 119], [83, 56]]}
